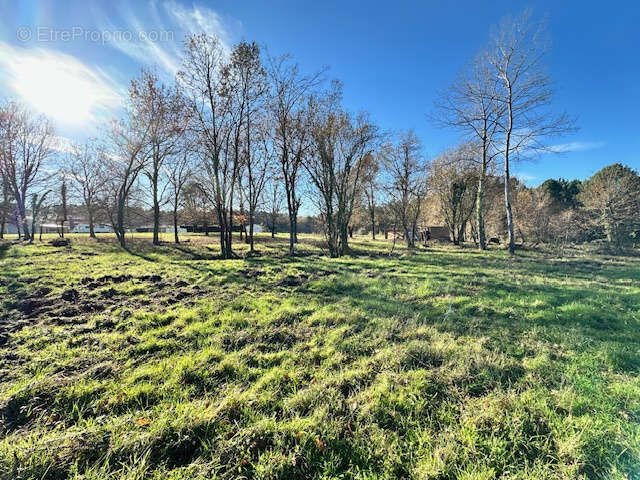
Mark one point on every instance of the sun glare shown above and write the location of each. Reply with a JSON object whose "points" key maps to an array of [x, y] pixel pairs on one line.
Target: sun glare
{"points": [[60, 86]]}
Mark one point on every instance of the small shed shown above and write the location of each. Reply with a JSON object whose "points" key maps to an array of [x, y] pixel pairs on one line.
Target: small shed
{"points": [[438, 232]]}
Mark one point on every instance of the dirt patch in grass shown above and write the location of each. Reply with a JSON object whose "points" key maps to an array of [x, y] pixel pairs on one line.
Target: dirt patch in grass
{"points": [[293, 280]]}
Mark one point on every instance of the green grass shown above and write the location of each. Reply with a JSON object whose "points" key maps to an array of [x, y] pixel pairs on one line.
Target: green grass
{"points": [[443, 363]]}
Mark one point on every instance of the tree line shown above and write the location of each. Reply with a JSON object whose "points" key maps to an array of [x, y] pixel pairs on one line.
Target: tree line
{"points": [[243, 136]]}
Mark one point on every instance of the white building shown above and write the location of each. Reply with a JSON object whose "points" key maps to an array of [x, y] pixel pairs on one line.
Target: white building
{"points": [[97, 228]]}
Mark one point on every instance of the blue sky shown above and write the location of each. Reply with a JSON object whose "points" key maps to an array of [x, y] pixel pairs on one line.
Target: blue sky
{"points": [[73, 60]]}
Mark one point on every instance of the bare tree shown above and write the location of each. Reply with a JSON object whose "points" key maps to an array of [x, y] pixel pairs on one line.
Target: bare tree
{"points": [[406, 185], [204, 79], [371, 188], [291, 131], [255, 176], [62, 208], [612, 197], [87, 168], [26, 143], [471, 105], [536, 213], [341, 146], [162, 109], [125, 163], [452, 180], [275, 200], [195, 204], [248, 80], [179, 171], [37, 200], [516, 53], [5, 204]]}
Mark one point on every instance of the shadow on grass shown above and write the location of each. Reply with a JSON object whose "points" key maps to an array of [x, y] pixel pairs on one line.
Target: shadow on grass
{"points": [[4, 248]]}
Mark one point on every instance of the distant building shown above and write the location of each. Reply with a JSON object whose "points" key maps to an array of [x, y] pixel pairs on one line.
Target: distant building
{"points": [[10, 228], [210, 228], [438, 232], [161, 229], [97, 228], [50, 228], [430, 232]]}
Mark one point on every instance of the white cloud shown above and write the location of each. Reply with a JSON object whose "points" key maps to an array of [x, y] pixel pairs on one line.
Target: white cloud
{"points": [[156, 38], [138, 43], [58, 85], [63, 144], [197, 20], [574, 147]]}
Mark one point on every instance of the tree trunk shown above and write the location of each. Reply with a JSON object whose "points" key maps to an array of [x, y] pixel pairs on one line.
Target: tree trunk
{"points": [[5, 208], [332, 235], [507, 184], [408, 237], [120, 222], [482, 238], [222, 222], [22, 216], [92, 233], [461, 233], [507, 201], [344, 240], [229, 239], [16, 220], [292, 233], [156, 206], [406, 227], [250, 234], [609, 230], [33, 227], [176, 239], [25, 227]]}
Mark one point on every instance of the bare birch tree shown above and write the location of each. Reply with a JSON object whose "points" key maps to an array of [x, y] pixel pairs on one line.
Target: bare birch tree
{"points": [[471, 106], [516, 54]]}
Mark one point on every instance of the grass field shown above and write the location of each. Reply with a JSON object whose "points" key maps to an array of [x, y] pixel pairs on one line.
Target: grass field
{"points": [[443, 363]]}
